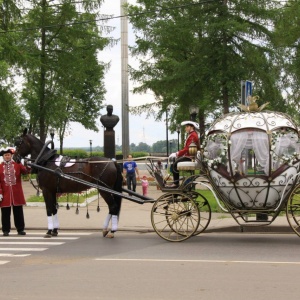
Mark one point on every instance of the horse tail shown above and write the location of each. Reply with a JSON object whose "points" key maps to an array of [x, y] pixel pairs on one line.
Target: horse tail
{"points": [[118, 187]]}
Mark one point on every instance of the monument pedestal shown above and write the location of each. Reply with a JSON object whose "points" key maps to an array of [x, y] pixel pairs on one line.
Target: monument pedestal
{"points": [[109, 144]]}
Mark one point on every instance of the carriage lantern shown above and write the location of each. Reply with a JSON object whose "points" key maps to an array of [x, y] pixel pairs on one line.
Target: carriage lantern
{"points": [[192, 150]]}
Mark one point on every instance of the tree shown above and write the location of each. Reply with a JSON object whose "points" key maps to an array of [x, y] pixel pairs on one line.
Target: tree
{"points": [[158, 146], [198, 52], [143, 147], [11, 118], [63, 77], [287, 37]]}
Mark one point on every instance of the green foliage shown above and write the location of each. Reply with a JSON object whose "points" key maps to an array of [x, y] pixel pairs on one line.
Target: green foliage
{"points": [[63, 78], [139, 154], [96, 153], [76, 153], [199, 54], [287, 36]]}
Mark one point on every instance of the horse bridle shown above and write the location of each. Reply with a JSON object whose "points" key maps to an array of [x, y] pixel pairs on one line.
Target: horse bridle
{"points": [[18, 142]]}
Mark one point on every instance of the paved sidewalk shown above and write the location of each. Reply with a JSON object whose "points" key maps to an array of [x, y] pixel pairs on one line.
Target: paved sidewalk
{"points": [[134, 217]]}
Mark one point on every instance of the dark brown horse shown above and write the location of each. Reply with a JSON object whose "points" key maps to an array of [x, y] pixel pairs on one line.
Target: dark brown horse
{"points": [[96, 170]]}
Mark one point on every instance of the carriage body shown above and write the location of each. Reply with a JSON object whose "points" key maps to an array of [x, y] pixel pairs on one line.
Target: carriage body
{"points": [[252, 159]]}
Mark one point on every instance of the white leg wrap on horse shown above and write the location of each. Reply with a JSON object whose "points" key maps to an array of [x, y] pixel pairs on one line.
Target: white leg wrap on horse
{"points": [[106, 222], [50, 223], [55, 221], [114, 223]]}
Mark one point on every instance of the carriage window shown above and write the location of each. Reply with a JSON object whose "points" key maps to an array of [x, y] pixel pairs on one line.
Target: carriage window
{"points": [[285, 147], [250, 152], [216, 149]]}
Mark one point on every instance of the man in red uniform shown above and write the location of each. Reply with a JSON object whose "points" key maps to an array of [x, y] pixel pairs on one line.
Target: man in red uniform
{"points": [[183, 154], [11, 192]]}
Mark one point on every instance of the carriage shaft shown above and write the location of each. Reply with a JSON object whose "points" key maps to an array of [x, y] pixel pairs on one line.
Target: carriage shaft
{"points": [[140, 199]]}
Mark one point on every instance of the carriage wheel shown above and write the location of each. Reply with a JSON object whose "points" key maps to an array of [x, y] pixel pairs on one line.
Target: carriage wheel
{"points": [[293, 210], [175, 216], [204, 209]]}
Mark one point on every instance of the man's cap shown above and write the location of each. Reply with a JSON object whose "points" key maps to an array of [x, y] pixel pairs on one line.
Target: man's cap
{"points": [[196, 125], [6, 150]]}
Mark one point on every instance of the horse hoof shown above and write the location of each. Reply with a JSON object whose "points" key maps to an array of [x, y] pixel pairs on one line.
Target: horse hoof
{"points": [[48, 234], [110, 235], [105, 232]]}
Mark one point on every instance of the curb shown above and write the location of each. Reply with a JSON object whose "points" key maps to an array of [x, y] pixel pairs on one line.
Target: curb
{"points": [[229, 229]]}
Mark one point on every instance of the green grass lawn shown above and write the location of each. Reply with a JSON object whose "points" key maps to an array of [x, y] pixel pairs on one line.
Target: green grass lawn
{"points": [[71, 198], [211, 200]]}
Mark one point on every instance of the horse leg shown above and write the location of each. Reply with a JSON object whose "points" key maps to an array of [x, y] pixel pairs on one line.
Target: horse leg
{"points": [[52, 218], [106, 224], [112, 216], [114, 205], [55, 223]]}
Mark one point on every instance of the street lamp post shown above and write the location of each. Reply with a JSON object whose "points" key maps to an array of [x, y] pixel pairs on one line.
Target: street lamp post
{"points": [[91, 147], [178, 132], [52, 133], [194, 110], [167, 136]]}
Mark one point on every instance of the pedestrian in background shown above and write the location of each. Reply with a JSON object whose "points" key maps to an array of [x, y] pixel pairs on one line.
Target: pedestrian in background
{"points": [[130, 171], [11, 192], [145, 185]]}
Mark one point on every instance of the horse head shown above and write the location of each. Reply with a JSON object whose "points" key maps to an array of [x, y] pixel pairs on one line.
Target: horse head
{"points": [[27, 144]]}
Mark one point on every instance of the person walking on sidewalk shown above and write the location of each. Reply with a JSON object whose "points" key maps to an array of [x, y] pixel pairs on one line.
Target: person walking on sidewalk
{"points": [[145, 185], [11, 192], [129, 170]]}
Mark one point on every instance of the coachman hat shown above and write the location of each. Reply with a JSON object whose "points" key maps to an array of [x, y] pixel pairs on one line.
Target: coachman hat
{"points": [[6, 150], [196, 125]]}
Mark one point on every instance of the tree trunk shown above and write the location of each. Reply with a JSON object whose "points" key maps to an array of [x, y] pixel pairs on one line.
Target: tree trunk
{"points": [[42, 125]]}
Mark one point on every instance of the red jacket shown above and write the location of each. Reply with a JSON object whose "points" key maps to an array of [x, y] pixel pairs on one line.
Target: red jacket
{"points": [[193, 137], [10, 184]]}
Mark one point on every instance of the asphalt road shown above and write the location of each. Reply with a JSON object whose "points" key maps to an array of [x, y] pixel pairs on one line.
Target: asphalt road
{"points": [[83, 265]]}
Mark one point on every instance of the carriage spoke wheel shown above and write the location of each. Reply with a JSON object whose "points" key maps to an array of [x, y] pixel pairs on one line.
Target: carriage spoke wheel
{"points": [[293, 210], [175, 216], [204, 210]]}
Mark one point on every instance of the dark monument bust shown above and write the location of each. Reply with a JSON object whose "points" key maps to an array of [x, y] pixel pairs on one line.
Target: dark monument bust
{"points": [[109, 121]]}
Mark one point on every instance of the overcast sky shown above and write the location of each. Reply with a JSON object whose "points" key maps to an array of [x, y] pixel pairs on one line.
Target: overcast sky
{"points": [[140, 128]]}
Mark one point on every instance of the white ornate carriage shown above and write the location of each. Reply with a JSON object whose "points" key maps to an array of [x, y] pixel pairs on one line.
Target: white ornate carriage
{"points": [[251, 162]]}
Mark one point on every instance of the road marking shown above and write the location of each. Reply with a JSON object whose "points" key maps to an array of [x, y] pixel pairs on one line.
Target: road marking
{"points": [[2, 262], [23, 249], [13, 255], [201, 261], [32, 243], [64, 233], [36, 238]]}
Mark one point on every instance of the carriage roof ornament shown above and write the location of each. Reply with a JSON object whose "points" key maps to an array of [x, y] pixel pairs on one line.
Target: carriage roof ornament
{"points": [[253, 106]]}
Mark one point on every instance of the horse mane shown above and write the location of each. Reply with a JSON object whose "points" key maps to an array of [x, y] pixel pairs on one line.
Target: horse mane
{"points": [[46, 153]]}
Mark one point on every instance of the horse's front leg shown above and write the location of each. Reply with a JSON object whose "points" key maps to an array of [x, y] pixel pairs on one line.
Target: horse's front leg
{"points": [[114, 225], [52, 217], [112, 216]]}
